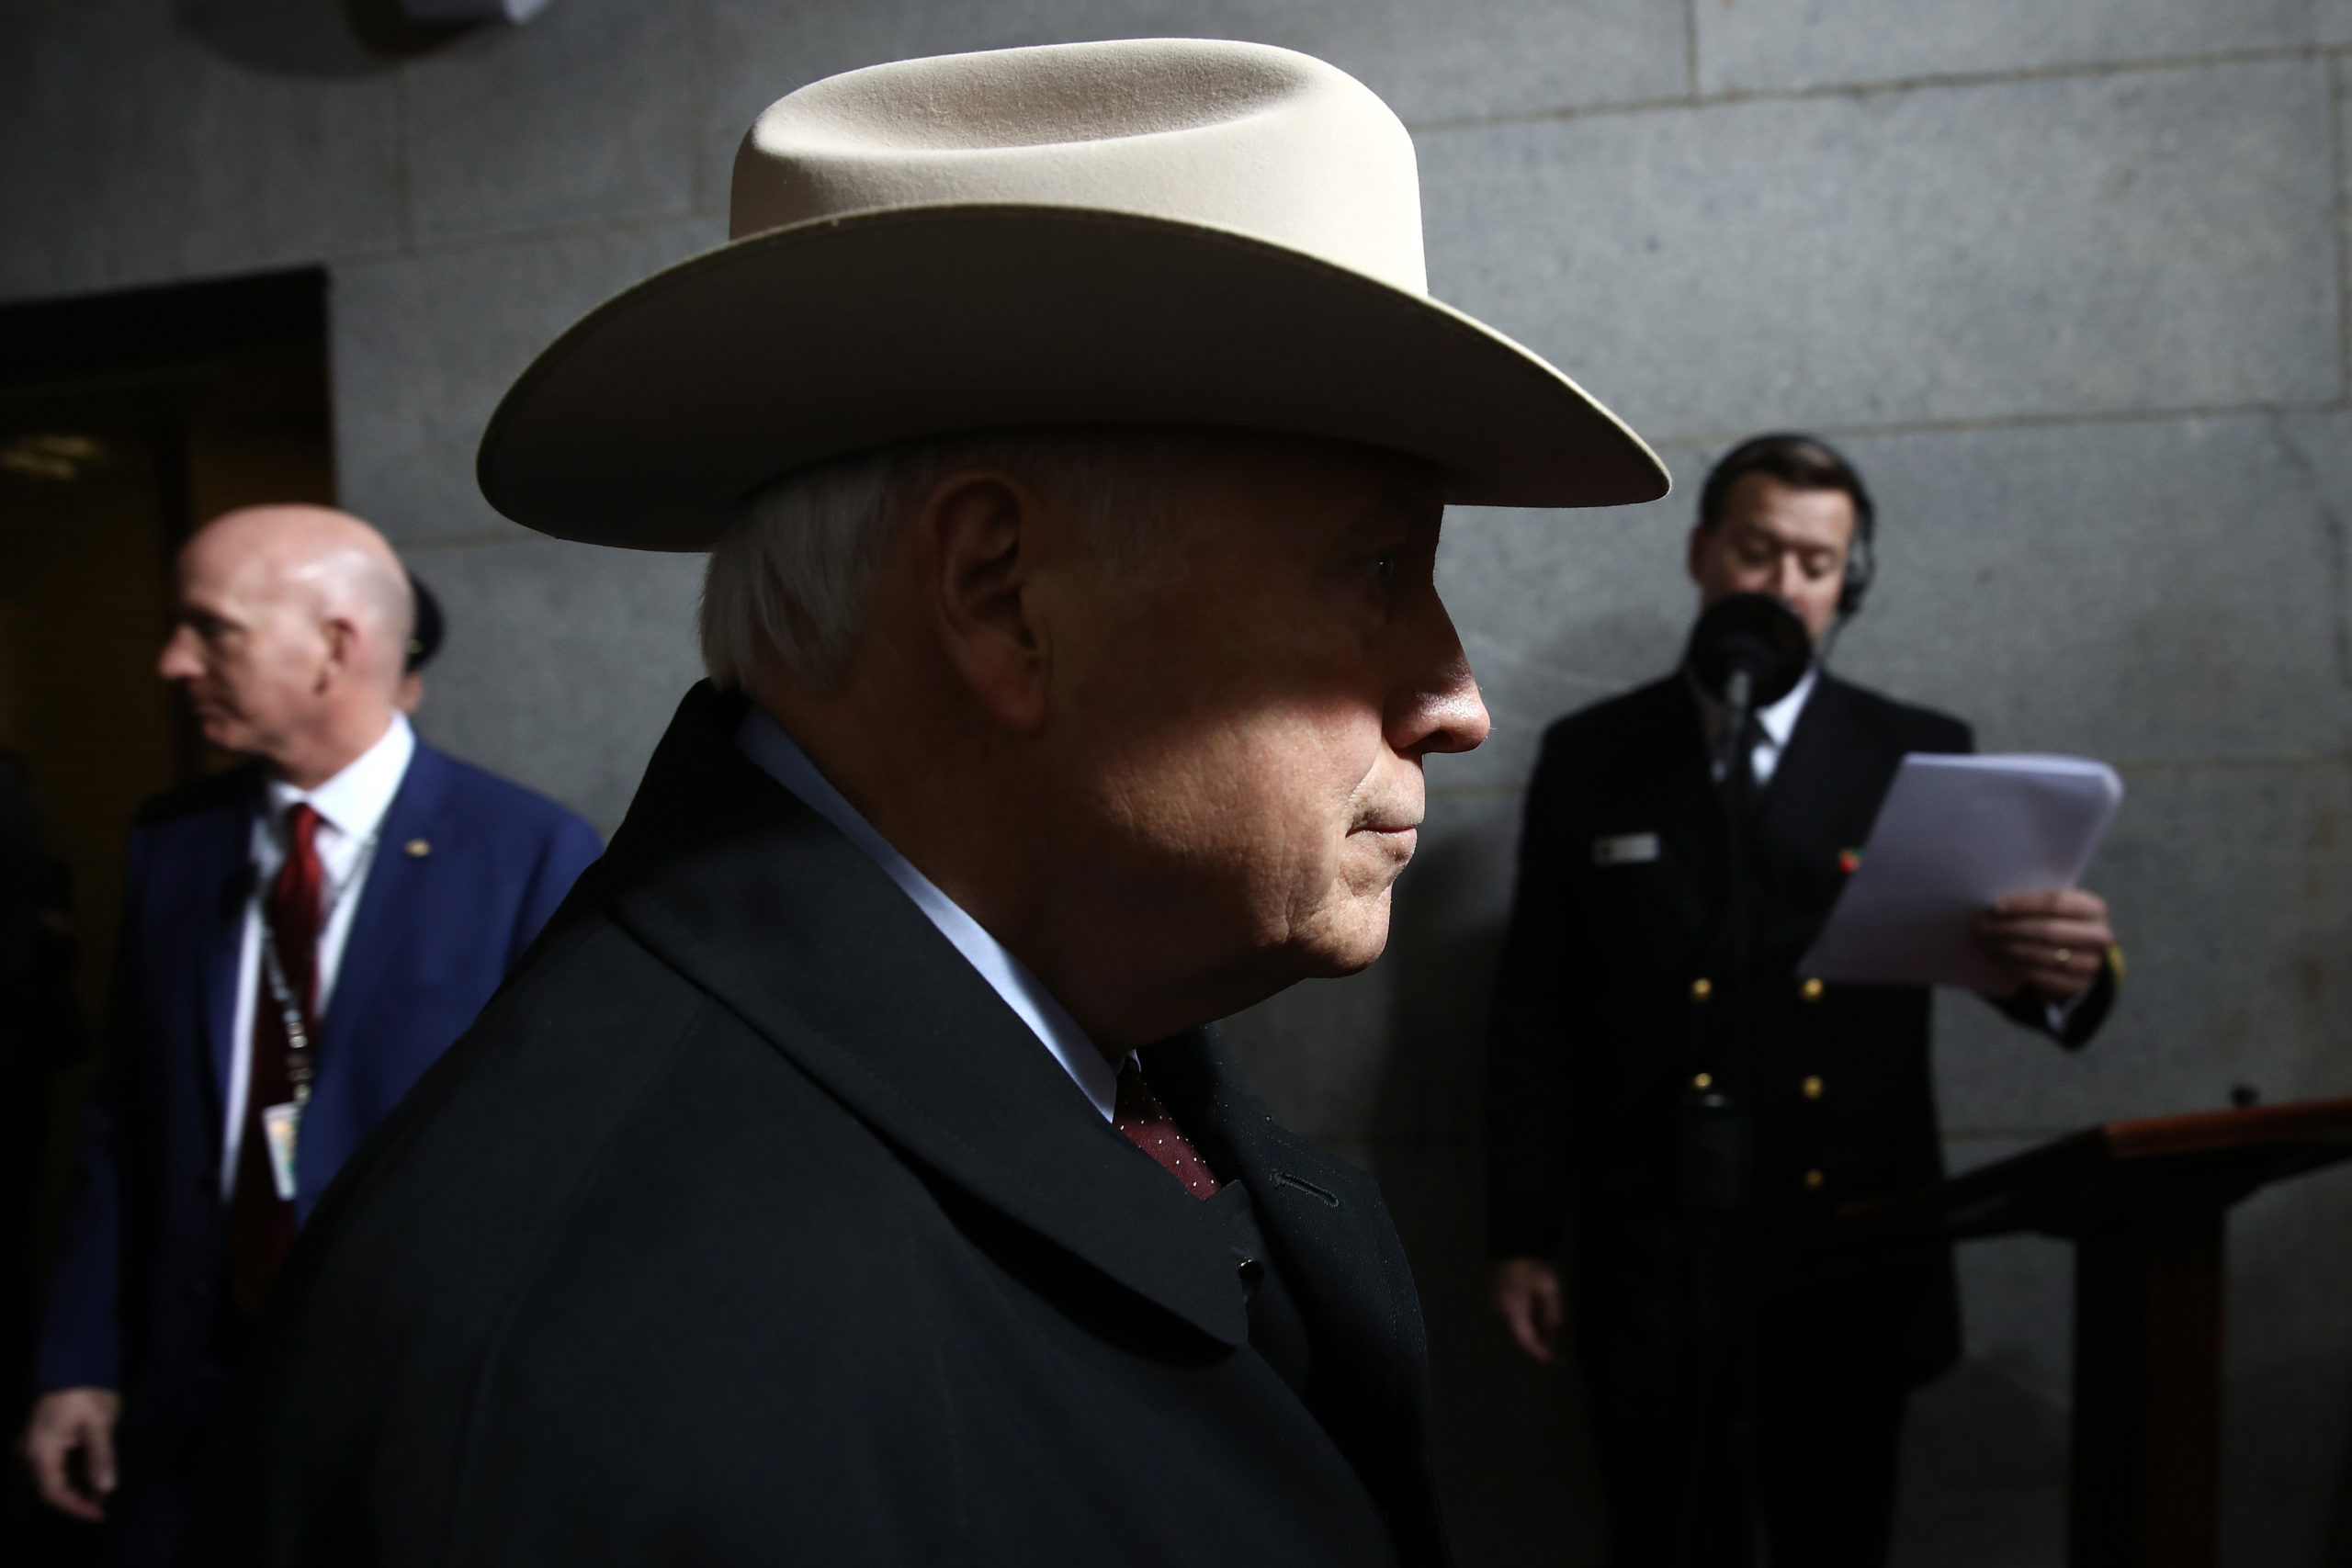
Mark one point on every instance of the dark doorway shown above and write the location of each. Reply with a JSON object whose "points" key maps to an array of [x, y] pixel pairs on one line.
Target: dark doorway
{"points": [[125, 421]]}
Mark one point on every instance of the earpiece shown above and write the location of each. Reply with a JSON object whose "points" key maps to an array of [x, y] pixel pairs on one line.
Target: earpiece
{"points": [[1861, 561], [1859, 567]]}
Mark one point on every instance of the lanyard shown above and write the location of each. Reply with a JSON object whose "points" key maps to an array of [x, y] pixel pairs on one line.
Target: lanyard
{"points": [[289, 1012], [299, 1058]]}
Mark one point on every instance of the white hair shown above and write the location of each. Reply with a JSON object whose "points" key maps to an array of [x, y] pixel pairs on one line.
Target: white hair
{"points": [[791, 578]]}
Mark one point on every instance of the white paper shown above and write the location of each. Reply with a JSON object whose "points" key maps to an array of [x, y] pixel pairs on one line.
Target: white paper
{"points": [[1955, 833]]}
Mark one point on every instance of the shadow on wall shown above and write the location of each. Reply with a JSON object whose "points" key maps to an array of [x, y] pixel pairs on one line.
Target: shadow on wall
{"points": [[320, 39], [2336, 1549], [1543, 645], [2287, 1440], [1511, 1454], [1966, 1502]]}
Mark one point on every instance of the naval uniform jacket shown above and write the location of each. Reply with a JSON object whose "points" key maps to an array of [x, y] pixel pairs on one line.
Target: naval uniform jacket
{"points": [[750, 1226], [1617, 993]]}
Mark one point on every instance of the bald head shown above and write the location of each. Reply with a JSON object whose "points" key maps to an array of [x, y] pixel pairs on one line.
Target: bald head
{"points": [[316, 561], [293, 622]]}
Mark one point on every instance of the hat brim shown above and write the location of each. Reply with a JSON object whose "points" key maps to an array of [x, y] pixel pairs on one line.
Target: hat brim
{"points": [[646, 422]]}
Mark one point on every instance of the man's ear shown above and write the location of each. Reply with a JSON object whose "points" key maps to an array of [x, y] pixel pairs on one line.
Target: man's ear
{"points": [[976, 541], [341, 639], [1694, 551]]}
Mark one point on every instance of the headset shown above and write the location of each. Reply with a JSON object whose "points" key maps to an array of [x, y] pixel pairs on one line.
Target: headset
{"points": [[1861, 563], [1861, 558]]}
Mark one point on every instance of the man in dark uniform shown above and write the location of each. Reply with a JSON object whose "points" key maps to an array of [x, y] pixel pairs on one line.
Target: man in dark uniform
{"points": [[1743, 1374]]}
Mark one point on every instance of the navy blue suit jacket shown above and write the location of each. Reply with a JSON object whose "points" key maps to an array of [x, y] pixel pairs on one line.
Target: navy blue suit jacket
{"points": [[468, 867]]}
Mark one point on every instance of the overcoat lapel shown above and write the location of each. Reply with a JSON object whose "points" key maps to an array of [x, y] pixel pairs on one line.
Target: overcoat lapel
{"points": [[1316, 1211], [734, 882], [1341, 1262]]}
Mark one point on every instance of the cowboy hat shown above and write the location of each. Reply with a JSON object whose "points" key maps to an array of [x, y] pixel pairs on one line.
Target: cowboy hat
{"points": [[1160, 231]]}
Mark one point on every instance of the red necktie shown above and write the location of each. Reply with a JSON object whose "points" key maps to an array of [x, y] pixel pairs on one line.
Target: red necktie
{"points": [[1149, 1126], [261, 1223]]}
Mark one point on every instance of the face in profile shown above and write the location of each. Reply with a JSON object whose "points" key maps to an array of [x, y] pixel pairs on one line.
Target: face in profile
{"points": [[1247, 706], [1776, 538], [246, 646]]}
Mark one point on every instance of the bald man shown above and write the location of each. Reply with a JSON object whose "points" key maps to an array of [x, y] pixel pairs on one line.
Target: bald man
{"points": [[303, 937]]}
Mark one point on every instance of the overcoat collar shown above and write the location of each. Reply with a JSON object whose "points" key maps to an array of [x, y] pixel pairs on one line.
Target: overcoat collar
{"points": [[732, 880]]}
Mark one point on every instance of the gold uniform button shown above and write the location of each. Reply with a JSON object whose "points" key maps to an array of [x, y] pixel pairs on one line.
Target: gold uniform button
{"points": [[1705, 1080], [1812, 1085], [1814, 1180], [1701, 988], [418, 848], [1811, 990]]}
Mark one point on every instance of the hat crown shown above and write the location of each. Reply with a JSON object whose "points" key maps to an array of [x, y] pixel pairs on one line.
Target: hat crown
{"points": [[1262, 141]]}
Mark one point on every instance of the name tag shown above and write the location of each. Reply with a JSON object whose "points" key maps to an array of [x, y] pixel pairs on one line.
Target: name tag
{"points": [[1624, 848]]}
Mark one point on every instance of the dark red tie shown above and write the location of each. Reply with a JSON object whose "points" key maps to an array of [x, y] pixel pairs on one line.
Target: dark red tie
{"points": [[261, 1223], [1149, 1126]]}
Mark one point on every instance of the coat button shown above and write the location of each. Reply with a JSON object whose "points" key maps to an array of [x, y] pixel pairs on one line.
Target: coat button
{"points": [[1810, 990], [1815, 1181], [1704, 1081], [1701, 988], [1812, 1085], [418, 848], [198, 1289]]}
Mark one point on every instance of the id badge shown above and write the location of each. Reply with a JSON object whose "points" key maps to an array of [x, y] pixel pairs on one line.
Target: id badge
{"points": [[1625, 849], [279, 1123]]}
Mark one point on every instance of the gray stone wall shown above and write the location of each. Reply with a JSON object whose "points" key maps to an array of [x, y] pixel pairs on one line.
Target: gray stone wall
{"points": [[2066, 276]]}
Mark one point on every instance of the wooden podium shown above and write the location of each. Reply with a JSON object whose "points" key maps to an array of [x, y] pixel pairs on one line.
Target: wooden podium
{"points": [[2145, 1204]]}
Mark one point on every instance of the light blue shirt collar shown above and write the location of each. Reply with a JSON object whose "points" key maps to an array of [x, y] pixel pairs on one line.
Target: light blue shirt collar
{"points": [[764, 740]]}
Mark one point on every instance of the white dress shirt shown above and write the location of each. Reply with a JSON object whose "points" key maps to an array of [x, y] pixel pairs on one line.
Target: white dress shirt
{"points": [[1777, 722], [351, 807], [780, 757]]}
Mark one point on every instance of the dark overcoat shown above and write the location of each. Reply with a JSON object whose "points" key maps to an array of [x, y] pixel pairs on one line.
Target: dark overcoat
{"points": [[1618, 991], [750, 1226]]}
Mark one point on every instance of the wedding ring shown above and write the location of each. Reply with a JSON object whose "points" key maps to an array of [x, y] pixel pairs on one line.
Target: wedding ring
{"points": [[2063, 955]]}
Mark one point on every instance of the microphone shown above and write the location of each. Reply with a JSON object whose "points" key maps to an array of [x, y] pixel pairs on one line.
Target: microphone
{"points": [[1747, 652]]}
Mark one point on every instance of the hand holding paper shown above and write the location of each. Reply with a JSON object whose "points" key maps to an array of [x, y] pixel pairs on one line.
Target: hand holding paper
{"points": [[1955, 835], [2053, 942]]}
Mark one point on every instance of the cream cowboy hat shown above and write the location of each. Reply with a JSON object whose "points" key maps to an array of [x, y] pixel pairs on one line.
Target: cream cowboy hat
{"points": [[1164, 230]]}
